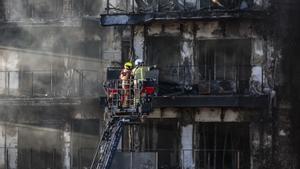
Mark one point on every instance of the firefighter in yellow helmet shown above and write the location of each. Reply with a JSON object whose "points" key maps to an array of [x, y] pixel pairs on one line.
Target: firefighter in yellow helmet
{"points": [[125, 77]]}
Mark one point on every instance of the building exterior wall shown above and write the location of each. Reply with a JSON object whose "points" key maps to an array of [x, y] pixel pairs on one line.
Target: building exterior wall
{"points": [[74, 48], [263, 61]]}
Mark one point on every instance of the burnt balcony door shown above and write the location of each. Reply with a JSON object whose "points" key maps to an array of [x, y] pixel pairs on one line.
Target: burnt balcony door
{"points": [[164, 52], [222, 146], [157, 136], [224, 64]]}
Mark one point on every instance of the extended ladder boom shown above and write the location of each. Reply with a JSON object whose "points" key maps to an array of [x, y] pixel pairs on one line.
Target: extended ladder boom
{"points": [[108, 144]]}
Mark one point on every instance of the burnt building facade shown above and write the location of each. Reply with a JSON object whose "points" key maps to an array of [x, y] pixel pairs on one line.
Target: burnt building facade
{"points": [[223, 97], [219, 97]]}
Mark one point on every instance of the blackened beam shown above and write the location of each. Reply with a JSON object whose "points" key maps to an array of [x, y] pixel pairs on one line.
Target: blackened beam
{"points": [[139, 18]]}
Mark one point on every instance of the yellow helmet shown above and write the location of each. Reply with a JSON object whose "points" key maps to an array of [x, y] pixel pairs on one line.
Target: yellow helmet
{"points": [[128, 65]]}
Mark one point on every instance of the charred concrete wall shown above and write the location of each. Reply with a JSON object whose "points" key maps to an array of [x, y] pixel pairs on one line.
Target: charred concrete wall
{"points": [[286, 33]]}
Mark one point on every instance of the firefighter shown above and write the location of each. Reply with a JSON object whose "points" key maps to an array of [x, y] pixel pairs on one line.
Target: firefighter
{"points": [[138, 74], [140, 70], [125, 77]]}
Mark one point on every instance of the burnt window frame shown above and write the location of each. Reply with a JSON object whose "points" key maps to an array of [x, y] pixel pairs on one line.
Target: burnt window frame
{"points": [[236, 137], [28, 11], [241, 68]]}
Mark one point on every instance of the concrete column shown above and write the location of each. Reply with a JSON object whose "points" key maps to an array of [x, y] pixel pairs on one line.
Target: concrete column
{"points": [[154, 135], [187, 160], [8, 144], [254, 145], [257, 62], [261, 145], [186, 52], [67, 146], [139, 42]]}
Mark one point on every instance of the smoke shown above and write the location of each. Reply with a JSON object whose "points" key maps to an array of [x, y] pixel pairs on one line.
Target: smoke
{"points": [[52, 39], [53, 55]]}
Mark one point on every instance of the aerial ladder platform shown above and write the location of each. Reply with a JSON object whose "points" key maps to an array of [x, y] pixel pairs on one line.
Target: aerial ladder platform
{"points": [[138, 97]]}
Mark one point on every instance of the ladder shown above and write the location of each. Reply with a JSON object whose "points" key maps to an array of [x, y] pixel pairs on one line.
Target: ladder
{"points": [[108, 144]]}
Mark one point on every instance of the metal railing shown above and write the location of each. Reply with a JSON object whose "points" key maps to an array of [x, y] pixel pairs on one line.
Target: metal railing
{"points": [[47, 11], [122, 159], [167, 158], [38, 159], [55, 83], [217, 159], [128, 93], [154, 6], [13, 158], [8, 157], [206, 79]]}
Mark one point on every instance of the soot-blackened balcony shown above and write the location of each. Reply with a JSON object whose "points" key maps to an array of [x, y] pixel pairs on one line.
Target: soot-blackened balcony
{"points": [[131, 12], [204, 86]]}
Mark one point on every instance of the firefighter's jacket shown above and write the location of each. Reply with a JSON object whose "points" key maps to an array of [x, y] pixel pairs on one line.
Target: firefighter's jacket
{"points": [[125, 77], [139, 73]]}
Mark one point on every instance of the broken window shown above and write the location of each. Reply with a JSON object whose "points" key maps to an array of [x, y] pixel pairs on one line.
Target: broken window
{"points": [[44, 151], [125, 53], [85, 7], [165, 53], [222, 146], [219, 66], [223, 66], [48, 9], [162, 137], [44, 8], [24, 9], [85, 136]]}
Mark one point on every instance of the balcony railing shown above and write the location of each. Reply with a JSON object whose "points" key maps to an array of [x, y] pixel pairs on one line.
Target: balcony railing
{"points": [[156, 6], [43, 11], [150, 159], [55, 83], [161, 158], [205, 80]]}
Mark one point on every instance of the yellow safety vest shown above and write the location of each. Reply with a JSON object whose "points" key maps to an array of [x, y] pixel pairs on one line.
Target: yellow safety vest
{"points": [[140, 72]]}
